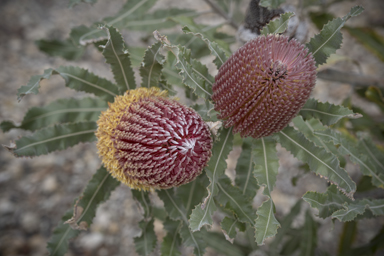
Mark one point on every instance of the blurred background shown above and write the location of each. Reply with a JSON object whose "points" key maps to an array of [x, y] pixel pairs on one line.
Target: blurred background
{"points": [[35, 193]]}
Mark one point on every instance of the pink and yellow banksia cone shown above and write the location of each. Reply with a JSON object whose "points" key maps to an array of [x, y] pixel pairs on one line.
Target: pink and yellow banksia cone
{"points": [[263, 85], [149, 141]]}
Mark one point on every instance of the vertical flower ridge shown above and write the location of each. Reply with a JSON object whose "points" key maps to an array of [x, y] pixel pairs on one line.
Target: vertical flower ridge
{"points": [[149, 141], [263, 85]]}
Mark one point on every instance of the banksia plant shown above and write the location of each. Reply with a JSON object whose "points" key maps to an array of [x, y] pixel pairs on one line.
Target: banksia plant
{"points": [[159, 146], [263, 85], [149, 141]]}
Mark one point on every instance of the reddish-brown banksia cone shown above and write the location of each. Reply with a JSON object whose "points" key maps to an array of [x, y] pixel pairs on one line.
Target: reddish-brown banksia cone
{"points": [[149, 141], [263, 85]]}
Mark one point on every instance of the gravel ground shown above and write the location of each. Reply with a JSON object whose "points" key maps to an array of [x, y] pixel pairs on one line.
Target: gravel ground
{"points": [[36, 192]]}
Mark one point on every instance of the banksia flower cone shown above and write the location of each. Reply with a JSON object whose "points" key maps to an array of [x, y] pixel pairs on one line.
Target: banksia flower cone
{"points": [[263, 85], [149, 141]]}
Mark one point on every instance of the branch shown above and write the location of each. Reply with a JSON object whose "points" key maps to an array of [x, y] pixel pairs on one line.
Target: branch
{"points": [[219, 11]]}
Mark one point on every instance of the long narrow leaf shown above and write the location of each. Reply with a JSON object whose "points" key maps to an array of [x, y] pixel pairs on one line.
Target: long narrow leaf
{"points": [[119, 58], [65, 49], [194, 74], [97, 191], [266, 168], [216, 50], [75, 78], [329, 39], [333, 203], [58, 137], [176, 211], [229, 226], [172, 241], [151, 67], [358, 154], [146, 242], [232, 199], [326, 112], [277, 26], [60, 111], [244, 171], [202, 213], [320, 161]]}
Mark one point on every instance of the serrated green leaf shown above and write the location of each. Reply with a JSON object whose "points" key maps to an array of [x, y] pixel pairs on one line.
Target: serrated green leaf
{"points": [[176, 211], [216, 49], [98, 190], [119, 58], [146, 242], [327, 113], [286, 223], [272, 4], [370, 39], [228, 227], [308, 128], [197, 240], [33, 84], [327, 203], [244, 171], [375, 156], [232, 199], [266, 167], [202, 214], [82, 80], [191, 194], [189, 26], [320, 161], [131, 11], [65, 49], [358, 155], [308, 236], [172, 241], [320, 18], [60, 111], [75, 78], [329, 39], [58, 137], [159, 19], [194, 74], [151, 67], [277, 26], [199, 47], [351, 210], [75, 2]]}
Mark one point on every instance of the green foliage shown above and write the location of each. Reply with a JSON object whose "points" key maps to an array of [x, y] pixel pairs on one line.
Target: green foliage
{"points": [[320, 161], [60, 111], [75, 78], [174, 61], [65, 49], [117, 56], [266, 167], [329, 39], [334, 204], [202, 214], [58, 137], [97, 191], [277, 26], [327, 113]]}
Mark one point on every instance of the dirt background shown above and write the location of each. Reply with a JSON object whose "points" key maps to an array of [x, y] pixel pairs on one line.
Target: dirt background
{"points": [[35, 193]]}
